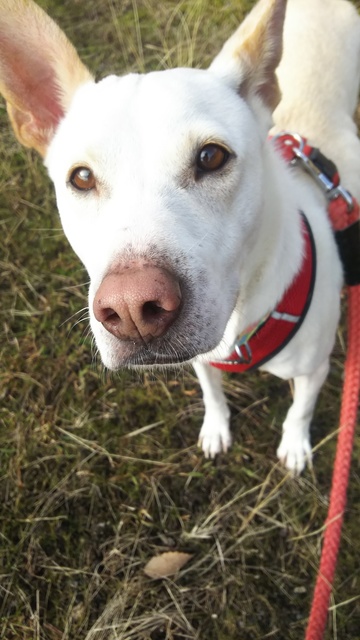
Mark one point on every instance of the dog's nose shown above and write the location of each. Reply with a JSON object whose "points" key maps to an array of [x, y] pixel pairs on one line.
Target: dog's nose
{"points": [[138, 303]]}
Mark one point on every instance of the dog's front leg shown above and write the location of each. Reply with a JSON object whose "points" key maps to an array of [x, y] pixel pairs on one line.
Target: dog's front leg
{"points": [[215, 435], [295, 447]]}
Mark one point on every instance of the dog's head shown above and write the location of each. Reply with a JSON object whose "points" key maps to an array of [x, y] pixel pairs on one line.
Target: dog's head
{"points": [[158, 177]]}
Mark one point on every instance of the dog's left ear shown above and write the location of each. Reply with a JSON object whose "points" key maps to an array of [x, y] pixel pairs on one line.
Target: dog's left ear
{"points": [[39, 72], [249, 58]]}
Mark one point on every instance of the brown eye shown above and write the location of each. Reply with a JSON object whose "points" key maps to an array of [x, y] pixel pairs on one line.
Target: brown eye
{"points": [[83, 179], [212, 157]]}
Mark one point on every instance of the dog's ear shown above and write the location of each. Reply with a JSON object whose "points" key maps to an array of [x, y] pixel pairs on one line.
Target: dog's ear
{"points": [[39, 71], [249, 58]]}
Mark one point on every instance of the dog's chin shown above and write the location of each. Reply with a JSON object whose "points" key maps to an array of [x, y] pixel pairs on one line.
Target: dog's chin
{"points": [[134, 356], [145, 358], [157, 360]]}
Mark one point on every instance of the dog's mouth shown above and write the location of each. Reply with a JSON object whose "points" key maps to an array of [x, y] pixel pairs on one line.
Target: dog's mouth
{"points": [[155, 359], [117, 354]]}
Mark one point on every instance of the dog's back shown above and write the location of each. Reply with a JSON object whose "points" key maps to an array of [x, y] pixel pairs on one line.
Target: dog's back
{"points": [[319, 77]]}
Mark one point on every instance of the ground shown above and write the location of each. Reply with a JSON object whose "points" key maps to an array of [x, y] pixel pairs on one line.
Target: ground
{"points": [[100, 472]]}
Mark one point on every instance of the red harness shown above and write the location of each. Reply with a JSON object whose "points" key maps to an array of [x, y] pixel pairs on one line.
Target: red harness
{"points": [[257, 346], [275, 331]]}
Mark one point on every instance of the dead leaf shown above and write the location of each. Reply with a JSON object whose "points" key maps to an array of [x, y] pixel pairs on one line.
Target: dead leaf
{"points": [[166, 564]]}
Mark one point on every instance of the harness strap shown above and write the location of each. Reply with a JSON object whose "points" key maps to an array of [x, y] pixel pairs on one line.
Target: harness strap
{"points": [[280, 326]]}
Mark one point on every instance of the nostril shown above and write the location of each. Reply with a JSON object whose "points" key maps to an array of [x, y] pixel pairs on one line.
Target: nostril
{"points": [[109, 314], [152, 310]]}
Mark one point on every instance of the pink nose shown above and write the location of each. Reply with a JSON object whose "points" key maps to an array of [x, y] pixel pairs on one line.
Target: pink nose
{"points": [[138, 303]]}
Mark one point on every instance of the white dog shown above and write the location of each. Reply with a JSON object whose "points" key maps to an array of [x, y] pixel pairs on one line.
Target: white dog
{"points": [[192, 227]]}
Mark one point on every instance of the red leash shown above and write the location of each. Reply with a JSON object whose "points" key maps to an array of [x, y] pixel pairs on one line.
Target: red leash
{"points": [[319, 609], [344, 215], [343, 212]]}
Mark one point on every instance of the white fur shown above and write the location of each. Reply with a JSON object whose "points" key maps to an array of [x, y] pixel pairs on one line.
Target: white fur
{"points": [[232, 238]]}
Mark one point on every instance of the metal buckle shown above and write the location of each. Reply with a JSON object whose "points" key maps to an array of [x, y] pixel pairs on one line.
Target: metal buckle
{"points": [[324, 182], [287, 138], [331, 191], [244, 358], [340, 192]]}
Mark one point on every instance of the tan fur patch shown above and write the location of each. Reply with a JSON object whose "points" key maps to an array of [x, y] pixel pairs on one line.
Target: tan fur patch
{"points": [[39, 71]]}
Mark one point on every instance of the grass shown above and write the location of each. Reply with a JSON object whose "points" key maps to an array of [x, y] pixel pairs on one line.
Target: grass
{"points": [[98, 473]]}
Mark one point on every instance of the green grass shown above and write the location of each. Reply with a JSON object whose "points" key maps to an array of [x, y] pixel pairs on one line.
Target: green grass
{"points": [[99, 472]]}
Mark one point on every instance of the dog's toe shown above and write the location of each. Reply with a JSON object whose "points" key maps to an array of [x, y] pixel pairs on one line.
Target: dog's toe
{"points": [[214, 439], [294, 453]]}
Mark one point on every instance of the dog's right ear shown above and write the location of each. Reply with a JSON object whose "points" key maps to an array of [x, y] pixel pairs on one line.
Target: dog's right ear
{"points": [[39, 72], [248, 60]]}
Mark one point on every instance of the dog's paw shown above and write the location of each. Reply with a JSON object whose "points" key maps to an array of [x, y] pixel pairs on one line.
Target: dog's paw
{"points": [[294, 451], [214, 438]]}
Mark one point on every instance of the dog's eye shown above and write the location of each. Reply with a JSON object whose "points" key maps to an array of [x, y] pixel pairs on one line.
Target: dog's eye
{"points": [[212, 157], [83, 179]]}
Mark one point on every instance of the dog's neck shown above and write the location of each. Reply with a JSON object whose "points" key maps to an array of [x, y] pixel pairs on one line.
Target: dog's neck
{"points": [[275, 257]]}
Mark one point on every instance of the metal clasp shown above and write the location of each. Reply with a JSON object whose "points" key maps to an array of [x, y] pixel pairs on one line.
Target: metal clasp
{"points": [[246, 357], [331, 191]]}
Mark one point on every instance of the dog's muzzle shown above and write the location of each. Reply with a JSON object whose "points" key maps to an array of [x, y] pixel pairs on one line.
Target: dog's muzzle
{"points": [[147, 313]]}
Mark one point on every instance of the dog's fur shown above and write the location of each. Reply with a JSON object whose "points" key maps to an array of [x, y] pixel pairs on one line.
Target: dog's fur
{"points": [[204, 253]]}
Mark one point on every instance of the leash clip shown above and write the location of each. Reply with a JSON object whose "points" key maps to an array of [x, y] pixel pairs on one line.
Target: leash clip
{"points": [[318, 166], [330, 189], [326, 182], [340, 192]]}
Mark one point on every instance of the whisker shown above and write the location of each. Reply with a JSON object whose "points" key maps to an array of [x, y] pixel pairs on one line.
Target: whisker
{"points": [[75, 314]]}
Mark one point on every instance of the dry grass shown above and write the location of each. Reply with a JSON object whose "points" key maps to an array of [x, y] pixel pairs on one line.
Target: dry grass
{"points": [[99, 473]]}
